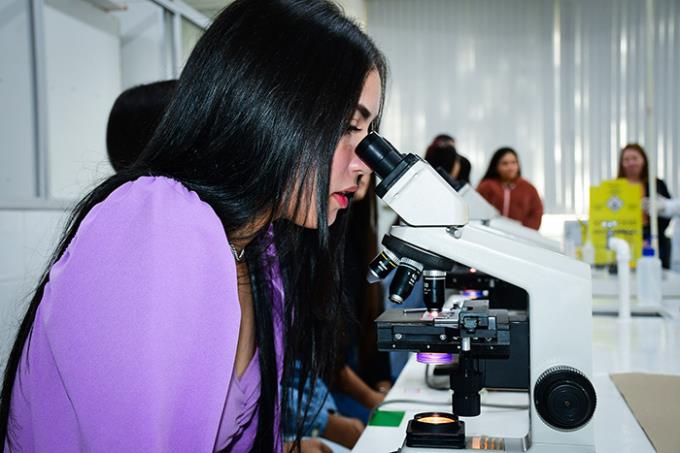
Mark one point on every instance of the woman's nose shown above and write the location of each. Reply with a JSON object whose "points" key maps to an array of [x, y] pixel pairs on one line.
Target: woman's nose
{"points": [[359, 166]]}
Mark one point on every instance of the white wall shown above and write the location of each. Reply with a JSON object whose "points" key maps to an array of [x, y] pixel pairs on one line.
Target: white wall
{"points": [[144, 44], [21, 241], [17, 164], [83, 79], [355, 9], [191, 33], [27, 238]]}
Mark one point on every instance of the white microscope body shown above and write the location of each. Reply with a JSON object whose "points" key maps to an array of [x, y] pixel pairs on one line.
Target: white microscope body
{"points": [[559, 288], [481, 211]]}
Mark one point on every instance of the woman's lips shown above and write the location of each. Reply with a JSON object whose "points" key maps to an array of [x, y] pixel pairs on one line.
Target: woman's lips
{"points": [[342, 199]]}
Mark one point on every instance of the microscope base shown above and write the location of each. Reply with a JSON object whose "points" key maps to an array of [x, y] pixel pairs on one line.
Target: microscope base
{"points": [[476, 444]]}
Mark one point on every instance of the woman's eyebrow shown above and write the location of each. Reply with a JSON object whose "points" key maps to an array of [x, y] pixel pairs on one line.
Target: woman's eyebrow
{"points": [[364, 111]]}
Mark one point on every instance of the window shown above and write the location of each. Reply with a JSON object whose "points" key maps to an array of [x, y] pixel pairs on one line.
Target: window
{"points": [[64, 64]]}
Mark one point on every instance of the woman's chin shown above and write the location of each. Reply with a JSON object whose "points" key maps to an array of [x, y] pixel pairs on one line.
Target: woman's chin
{"points": [[332, 215]]}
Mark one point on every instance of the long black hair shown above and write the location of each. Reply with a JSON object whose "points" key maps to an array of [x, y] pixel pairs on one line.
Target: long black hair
{"points": [[264, 99], [492, 171]]}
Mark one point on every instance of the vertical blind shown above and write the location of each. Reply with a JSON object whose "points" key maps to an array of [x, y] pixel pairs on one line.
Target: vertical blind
{"points": [[564, 82]]}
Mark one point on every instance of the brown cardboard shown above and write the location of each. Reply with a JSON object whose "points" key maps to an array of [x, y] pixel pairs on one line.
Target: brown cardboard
{"points": [[654, 400]]}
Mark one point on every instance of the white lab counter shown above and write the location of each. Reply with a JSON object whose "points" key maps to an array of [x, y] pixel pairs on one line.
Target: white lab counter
{"points": [[649, 345], [606, 293]]}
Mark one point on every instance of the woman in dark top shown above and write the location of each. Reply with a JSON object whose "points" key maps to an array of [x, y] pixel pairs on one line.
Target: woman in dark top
{"points": [[634, 167]]}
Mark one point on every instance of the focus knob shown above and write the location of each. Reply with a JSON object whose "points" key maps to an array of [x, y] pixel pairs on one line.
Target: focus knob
{"points": [[564, 398]]}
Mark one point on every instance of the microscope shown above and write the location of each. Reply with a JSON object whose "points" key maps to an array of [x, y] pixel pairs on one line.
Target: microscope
{"points": [[475, 283], [545, 350]]}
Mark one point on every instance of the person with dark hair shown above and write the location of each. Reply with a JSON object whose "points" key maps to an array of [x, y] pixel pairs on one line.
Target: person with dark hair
{"points": [[187, 285], [464, 169], [634, 167], [443, 139], [133, 119], [504, 187], [443, 157]]}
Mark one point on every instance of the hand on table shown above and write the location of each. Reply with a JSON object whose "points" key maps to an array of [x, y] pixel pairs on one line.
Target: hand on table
{"points": [[374, 398], [383, 386], [308, 446], [343, 430]]}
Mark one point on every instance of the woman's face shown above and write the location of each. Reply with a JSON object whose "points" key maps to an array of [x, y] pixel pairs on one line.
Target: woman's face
{"points": [[632, 163], [347, 168], [508, 167]]}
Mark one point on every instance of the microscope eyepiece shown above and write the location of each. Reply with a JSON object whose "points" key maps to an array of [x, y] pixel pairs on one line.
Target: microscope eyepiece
{"points": [[405, 278], [379, 154]]}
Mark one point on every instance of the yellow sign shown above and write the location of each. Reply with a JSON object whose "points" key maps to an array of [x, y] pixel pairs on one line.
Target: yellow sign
{"points": [[615, 210]]}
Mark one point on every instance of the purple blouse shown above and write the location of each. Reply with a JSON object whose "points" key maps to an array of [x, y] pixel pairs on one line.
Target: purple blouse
{"points": [[134, 342]]}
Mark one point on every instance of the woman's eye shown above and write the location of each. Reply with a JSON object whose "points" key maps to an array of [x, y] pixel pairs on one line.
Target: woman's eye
{"points": [[353, 129]]}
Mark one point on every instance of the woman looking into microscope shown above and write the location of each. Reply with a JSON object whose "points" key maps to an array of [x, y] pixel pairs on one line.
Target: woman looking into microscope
{"points": [[159, 324]]}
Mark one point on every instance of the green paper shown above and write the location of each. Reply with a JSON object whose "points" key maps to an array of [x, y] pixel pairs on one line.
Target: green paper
{"points": [[387, 418]]}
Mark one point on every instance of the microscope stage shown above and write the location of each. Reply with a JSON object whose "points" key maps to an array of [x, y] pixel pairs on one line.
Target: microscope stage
{"points": [[486, 332]]}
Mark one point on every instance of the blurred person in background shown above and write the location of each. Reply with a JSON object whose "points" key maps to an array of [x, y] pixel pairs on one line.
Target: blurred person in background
{"points": [[504, 187], [133, 119], [442, 153], [634, 167], [443, 157], [464, 169], [442, 139]]}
